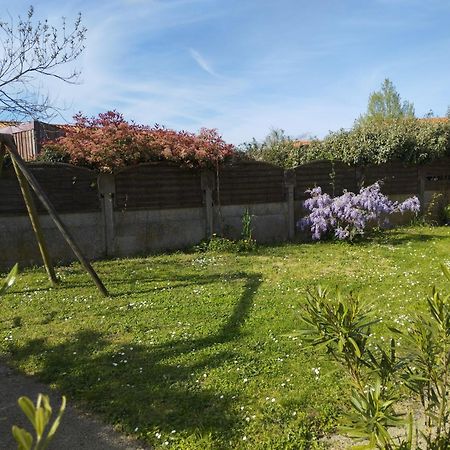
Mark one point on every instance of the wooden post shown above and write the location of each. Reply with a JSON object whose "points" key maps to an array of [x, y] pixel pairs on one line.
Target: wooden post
{"points": [[2, 157], [42, 196], [36, 224]]}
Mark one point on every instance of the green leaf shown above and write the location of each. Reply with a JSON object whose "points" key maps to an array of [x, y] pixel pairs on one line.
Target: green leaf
{"points": [[26, 405], [446, 271], [355, 345], [41, 423], [10, 279], [22, 437], [56, 423]]}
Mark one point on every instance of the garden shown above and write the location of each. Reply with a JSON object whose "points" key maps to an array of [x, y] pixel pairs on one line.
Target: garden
{"points": [[200, 349], [338, 339]]}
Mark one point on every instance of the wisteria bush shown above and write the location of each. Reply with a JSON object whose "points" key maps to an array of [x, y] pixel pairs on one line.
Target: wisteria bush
{"points": [[349, 214]]}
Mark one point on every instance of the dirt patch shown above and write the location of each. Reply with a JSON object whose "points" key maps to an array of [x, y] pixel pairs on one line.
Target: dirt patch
{"points": [[78, 430]]}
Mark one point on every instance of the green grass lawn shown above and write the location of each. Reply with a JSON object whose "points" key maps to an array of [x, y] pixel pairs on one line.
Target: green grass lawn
{"points": [[192, 350]]}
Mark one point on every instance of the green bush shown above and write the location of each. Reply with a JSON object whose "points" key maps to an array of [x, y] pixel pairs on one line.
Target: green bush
{"points": [[383, 380], [378, 141], [221, 244], [277, 148]]}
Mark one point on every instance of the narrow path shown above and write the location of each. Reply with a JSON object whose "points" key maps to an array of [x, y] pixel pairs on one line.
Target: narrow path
{"points": [[77, 430]]}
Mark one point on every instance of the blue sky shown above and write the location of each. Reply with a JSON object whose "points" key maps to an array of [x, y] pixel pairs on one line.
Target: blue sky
{"points": [[245, 66]]}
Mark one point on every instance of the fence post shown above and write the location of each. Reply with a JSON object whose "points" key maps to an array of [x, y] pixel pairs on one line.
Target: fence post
{"points": [[207, 185], [107, 190], [421, 183], [290, 182], [360, 177]]}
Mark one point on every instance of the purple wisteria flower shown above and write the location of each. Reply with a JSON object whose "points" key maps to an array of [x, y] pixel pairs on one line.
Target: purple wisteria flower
{"points": [[349, 214]]}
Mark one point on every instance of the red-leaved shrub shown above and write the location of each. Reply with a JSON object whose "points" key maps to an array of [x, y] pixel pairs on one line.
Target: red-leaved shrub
{"points": [[108, 142]]}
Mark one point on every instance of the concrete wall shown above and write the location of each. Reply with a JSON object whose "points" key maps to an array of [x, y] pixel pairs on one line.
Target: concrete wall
{"points": [[135, 232], [269, 221], [18, 243], [146, 231]]}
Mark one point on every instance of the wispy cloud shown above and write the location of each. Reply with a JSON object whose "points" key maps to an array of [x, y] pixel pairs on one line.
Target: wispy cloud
{"points": [[202, 62], [243, 67]]}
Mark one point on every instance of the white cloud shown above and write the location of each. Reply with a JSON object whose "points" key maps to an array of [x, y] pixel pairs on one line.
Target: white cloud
{"points": [[201, 61]]}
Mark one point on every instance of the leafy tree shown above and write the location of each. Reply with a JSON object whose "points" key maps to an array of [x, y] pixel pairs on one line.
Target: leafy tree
{"points": [[276, 148], [386, 104], [32, 50]]}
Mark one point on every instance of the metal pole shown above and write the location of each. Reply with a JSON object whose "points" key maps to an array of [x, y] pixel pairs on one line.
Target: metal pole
{"points": [[42, 196]]}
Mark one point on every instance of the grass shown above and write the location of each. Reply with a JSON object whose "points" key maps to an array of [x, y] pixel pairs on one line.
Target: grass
{"points": [[192, 351]]}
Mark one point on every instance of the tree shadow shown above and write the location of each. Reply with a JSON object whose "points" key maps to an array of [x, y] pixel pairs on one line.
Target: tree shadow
{"points": [[148, 386], [176, 281]]}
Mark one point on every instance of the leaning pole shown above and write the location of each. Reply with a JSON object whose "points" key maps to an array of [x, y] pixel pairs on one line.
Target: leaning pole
{"points": [[26, 179]]}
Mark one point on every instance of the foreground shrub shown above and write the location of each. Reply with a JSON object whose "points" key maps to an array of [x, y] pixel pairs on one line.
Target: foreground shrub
{"points": [[39, 417], [348, 215], [383, 380], [108, 142]]}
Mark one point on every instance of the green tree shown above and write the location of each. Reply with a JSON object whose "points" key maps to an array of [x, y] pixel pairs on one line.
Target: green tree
{"points": [[276, 148], [387, 104]]}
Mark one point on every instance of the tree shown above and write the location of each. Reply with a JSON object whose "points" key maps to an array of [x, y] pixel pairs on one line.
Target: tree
{"points": [[276, 148], [386, 104], [32, 50]]}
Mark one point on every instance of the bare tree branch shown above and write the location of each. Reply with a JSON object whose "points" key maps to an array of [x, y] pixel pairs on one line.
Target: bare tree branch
{"points": [[29, 51]]}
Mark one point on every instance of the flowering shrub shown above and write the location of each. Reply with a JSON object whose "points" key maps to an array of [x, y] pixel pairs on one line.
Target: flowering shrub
{"points": [[349, 214], [108, 142]]}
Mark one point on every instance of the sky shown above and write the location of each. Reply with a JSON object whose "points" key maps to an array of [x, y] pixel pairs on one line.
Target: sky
{"points": [[247, 66]]}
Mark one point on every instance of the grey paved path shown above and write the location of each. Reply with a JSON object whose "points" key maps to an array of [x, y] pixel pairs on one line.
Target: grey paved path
{"points": [[77, 430]]}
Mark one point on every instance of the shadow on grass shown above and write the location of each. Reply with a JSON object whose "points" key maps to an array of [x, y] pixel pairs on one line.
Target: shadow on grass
{"points": [[165, 273], [149, 387]]}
